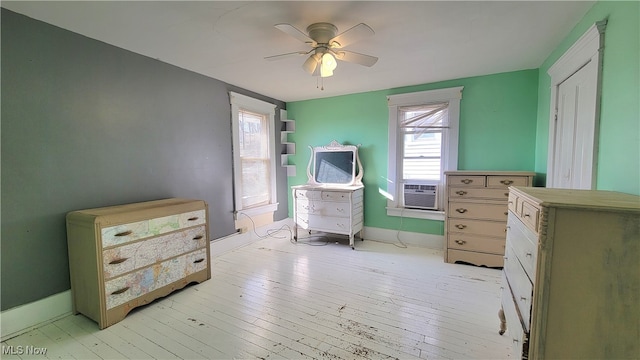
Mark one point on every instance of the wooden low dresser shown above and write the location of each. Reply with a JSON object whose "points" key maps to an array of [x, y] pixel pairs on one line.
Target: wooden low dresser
{"points": [[476, 214], [125, 256], [337, 210], [571, 278]]}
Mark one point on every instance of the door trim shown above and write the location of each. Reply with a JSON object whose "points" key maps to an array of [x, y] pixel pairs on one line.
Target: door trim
{"points": [[586, 49]]}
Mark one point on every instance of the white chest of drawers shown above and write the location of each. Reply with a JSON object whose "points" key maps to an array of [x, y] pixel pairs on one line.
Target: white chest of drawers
{"points": [[571, 278], [121, 257], [476, 214], [337, 210]]}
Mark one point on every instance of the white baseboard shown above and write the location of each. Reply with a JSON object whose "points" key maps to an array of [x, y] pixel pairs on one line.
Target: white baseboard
{"points": [[429, 241], [238, 240], [23, 318]]}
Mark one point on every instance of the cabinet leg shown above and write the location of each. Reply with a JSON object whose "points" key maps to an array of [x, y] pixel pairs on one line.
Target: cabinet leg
{"points": [[351, 237], [503, 322]]}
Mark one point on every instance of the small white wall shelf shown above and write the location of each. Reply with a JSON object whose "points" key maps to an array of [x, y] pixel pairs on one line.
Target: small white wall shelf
{"points": [[288, 147]]}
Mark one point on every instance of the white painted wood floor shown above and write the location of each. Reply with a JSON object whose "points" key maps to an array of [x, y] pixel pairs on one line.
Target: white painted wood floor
{"points": [[279, 300]]}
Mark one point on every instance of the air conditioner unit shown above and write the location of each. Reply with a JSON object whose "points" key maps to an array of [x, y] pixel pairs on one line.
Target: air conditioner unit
{"points": [[420, 196]]}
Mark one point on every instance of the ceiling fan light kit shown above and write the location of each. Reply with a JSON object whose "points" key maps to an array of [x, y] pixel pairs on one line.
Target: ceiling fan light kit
{"points": [[327, 47]]}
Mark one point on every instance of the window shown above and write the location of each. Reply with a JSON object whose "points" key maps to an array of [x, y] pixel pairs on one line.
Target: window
{"points": [[253, 128], [423, 144]]}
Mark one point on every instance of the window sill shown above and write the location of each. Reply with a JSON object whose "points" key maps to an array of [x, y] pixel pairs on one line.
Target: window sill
{"points": [[260, 210], [415, 213]]}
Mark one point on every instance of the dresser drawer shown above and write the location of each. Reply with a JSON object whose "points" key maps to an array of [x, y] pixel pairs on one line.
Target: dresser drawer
{"points": [[524, 244], [335, 196], [506, 181], [475, 210], [125, 233], [122, 259], [466, 180], [530, 215], [512, 203], [474, 257], [521, 286], [308, 194], [339, 225], [128, 287], [515, 330], [477, 193], [475, 243], [479, 227]]}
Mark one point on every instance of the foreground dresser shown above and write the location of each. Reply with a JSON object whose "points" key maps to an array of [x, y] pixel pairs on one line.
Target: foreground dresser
{"points": [[337, 210], [571, 279], [121, 257], [476, 214]]}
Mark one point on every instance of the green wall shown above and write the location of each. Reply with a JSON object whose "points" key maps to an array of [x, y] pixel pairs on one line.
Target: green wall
{"points": [[497, 132], [619, 146]]}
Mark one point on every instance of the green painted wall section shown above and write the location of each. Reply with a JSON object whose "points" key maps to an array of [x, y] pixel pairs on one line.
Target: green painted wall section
{"points": [[619, 145], [497, 132]]}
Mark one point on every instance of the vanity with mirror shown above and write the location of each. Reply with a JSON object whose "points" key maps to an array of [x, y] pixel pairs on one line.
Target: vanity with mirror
{"points": [[332, 199]]}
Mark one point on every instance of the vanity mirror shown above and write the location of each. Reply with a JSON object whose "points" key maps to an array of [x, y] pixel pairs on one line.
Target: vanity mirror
{"points": [[334, 165]]}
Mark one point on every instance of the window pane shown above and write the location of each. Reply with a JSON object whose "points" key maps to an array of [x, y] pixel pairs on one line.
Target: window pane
{"points": [[422, 154], [254, 159], [255, 183]]}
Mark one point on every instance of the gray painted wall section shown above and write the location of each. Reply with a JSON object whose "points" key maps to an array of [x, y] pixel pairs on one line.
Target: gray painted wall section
{"points": [[86, 124]]}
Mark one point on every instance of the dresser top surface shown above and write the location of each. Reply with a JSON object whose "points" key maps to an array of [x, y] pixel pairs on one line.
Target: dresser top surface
{"points": [[490, 172], [328, 187], [569, 198], [147, 208]]}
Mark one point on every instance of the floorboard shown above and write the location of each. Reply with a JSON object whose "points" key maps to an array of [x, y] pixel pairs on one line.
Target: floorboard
{"points": [[314, 299]]}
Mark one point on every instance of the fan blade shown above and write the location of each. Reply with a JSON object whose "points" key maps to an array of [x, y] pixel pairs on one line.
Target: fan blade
{"points": [[350, 36], [282, 56], [354, 57], [293, 31], [311, 63]]}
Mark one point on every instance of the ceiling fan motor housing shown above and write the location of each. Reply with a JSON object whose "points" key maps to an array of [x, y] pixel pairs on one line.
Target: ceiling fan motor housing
{"points": [[322, 32]]}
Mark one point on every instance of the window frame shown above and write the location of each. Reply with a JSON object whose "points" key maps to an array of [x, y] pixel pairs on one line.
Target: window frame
{"points": [[242, 102], [449, 154]]}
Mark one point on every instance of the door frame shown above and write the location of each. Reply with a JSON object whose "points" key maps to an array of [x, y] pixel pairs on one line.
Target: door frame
{"points": [[589, 47]]}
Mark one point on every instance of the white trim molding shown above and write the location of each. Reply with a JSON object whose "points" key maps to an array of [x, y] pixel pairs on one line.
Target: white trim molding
{"points": [[29, 316], [587, 49]]}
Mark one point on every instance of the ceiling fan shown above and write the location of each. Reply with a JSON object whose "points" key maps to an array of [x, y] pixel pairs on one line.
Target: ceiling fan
{"points": [[326, 46]]}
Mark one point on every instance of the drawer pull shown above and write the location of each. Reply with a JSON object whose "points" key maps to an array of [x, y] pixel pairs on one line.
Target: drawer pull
{"points": [[198, 237], [529, 254], [117, 292], [522, 298], [506, 182], [526, 215], [461, 226], [507, 194], [124, 233], [466, 181], [198, 261], [460, 242], [339, 210], [118, 261], [194, 218], [461, 210], [461, 193], [506, 213]]}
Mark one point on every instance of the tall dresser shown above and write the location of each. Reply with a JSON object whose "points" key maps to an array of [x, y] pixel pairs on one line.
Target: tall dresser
{"points": [[121, 257], [476, 214], [571, 279]]}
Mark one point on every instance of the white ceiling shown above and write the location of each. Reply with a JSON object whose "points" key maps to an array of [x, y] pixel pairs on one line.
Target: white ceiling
{"points": [[416, 42]]}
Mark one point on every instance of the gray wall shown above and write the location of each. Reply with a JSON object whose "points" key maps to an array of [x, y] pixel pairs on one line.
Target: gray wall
{"points": [[86, 124]]}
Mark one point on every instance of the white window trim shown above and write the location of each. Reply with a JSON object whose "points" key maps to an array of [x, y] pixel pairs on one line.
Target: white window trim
{"points": [[239, 101], [449, 160]]}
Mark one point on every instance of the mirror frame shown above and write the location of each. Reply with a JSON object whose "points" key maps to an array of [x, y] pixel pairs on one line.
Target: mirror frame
{"points": [[334, 146]]}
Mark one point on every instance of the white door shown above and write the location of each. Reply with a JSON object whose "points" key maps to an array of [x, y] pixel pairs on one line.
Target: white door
{"points": [[575, 146]]}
